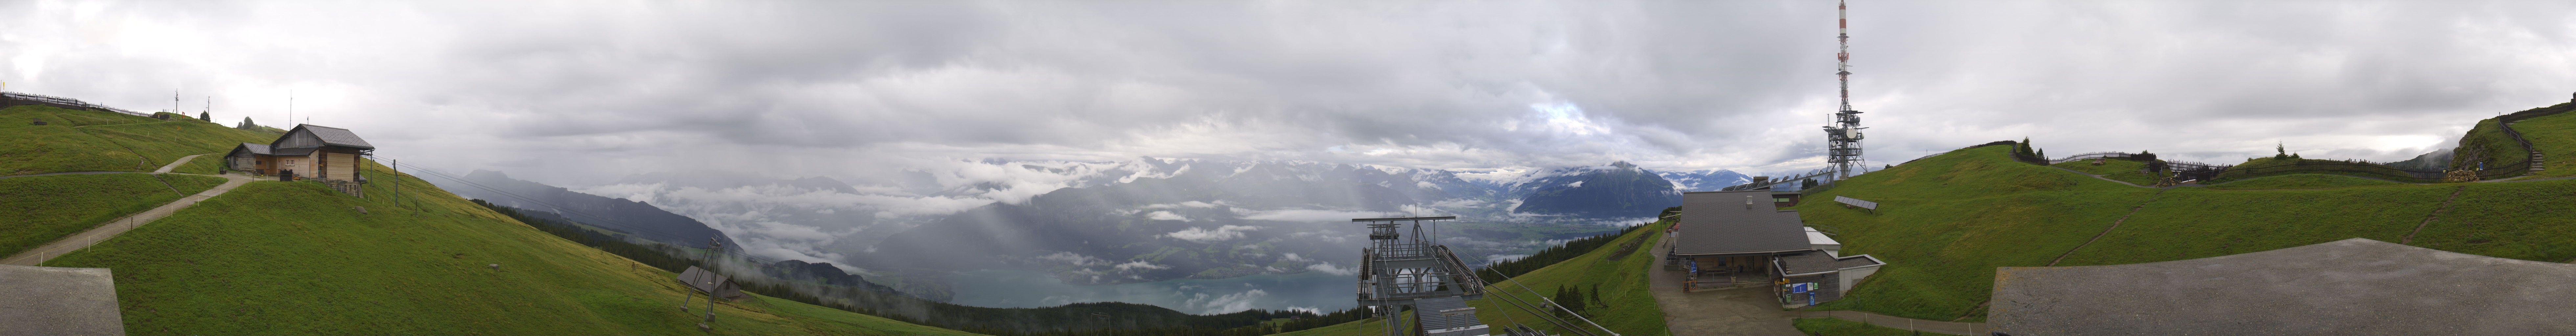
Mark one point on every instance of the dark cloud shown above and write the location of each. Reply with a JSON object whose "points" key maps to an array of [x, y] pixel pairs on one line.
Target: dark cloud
{"points": [[593, 91]]}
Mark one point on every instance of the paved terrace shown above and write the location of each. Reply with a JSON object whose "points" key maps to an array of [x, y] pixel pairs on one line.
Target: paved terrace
{"points": [[2347, 287]]}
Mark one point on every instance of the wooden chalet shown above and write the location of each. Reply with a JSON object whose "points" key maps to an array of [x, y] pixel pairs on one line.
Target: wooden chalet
{"points": [[308, 152], [1737, 239]]}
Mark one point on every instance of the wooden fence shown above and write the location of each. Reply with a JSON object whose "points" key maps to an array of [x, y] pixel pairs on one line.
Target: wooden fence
{"points": [[14, 99]]}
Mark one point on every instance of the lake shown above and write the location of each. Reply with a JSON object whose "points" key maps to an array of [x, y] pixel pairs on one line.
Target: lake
{"points": [[1323, 292]]}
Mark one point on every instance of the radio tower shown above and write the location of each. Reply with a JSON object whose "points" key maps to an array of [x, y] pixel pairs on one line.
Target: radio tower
{"points": [[1842, 135]]}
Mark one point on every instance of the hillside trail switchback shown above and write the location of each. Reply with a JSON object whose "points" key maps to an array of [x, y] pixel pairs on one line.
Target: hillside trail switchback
{"points": [[38, 255]]}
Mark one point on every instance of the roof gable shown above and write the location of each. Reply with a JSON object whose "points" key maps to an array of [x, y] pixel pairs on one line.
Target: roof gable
{"points": [[261, 149], [329, 136]]}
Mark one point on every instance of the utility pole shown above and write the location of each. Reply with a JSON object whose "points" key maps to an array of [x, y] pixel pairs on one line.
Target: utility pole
{"points": [[397, 182], [713, 246]]}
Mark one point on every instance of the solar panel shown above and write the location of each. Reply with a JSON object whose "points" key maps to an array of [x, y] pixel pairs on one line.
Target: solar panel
{"points": [[1873, 206]]}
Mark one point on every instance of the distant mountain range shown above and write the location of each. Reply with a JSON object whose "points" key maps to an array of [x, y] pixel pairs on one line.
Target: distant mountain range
{"points": [[1143, 220], [1213, 219], [642, 220], [1196, 219], [1616, 190], [1705, 180]]}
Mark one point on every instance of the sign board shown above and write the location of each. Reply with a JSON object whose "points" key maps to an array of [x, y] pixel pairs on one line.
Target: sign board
{"points": [[1800, 287]]}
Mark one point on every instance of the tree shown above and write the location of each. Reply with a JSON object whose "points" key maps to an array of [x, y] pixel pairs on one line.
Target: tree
{"points": [[1810, 183], [2280, 150], [1598, 296], [1570, 298], [205, 116], [2024, 147]]}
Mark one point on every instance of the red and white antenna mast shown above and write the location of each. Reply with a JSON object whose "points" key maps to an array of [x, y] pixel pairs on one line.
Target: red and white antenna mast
{"points": [[1842, 136], [1842, 57]]}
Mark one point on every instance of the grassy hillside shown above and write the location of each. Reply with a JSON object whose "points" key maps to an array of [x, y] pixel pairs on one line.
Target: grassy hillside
{"points": [[2116, 169], [2190, 223], [2302, 181], [2521, 220], [2555, 137], [1630, 308], [1841, 327], [297, 258], [2488, 143], [76, 140], [35, 210], [1945, 222], [1943, 237]]}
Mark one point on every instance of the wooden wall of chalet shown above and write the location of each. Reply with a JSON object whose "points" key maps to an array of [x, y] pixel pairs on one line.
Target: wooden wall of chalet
{"points": [[339, 164], [300, 166], [297, 140]]}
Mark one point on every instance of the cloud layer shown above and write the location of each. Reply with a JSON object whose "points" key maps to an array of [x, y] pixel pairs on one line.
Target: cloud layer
{"points": [[579, 92]]}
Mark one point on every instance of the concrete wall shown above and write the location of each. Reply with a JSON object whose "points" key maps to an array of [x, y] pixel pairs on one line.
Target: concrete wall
{"points": [[1852, 277]]}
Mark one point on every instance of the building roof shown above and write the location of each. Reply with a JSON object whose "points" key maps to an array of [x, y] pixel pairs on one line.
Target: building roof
{"points": [[1818, 262], [713, 284], [1817, 238], [2347, 287], [333, 136], [261, 149], [1722, 222]]}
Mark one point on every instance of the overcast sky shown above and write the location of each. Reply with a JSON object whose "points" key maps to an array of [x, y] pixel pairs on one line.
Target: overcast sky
{"points": [[581, 92]]}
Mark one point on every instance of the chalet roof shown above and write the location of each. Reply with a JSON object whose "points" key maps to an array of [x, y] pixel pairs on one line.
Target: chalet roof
{"points": [[2346, 287], [332, 136], [261, 149], [1720, 222], [300, 151]]}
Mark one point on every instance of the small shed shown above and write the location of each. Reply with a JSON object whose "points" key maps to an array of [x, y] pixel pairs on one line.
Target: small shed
{"points": [[715, 285], [1827, 276], [252, 158]]}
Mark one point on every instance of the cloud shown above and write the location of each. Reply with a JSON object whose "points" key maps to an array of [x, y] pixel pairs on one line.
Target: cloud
{"points": [[1139, 264], [1226, 303], [1306, 215], [1221, 233], [941, 86], [1167, 215], [1074, 259], [1328, 268]]}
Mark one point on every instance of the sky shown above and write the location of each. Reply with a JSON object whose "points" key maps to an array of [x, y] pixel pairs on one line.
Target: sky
{"points": [[589, 91]]}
